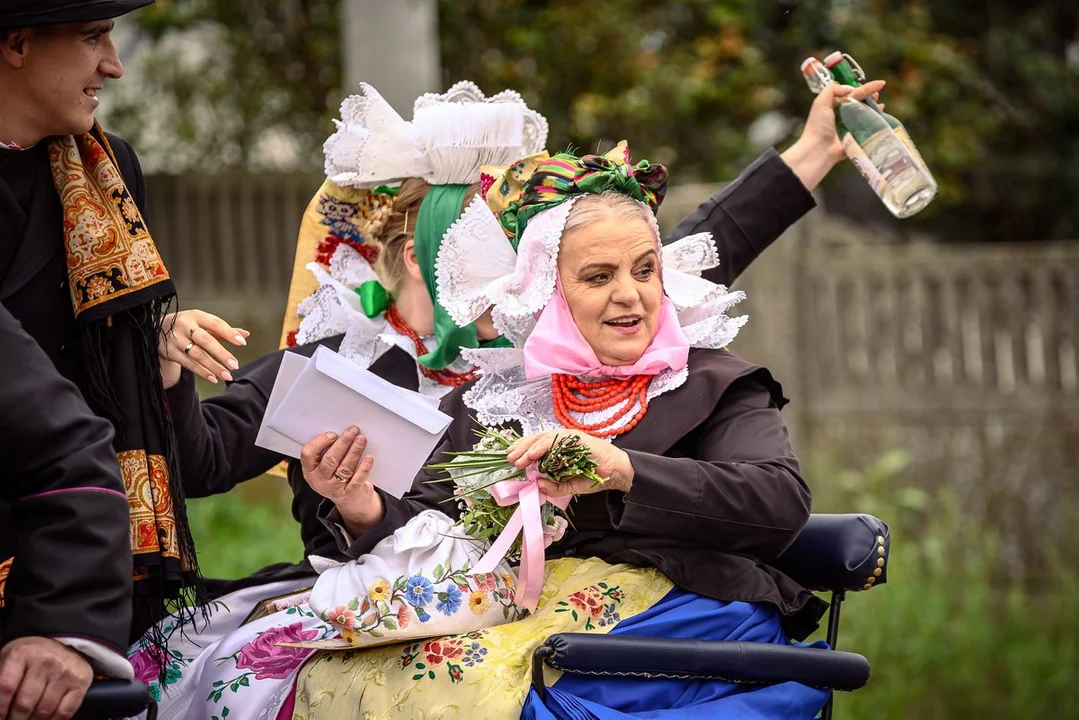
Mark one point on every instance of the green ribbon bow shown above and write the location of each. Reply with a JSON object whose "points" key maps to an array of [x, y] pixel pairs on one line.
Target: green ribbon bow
{"points": [[374, 298]]}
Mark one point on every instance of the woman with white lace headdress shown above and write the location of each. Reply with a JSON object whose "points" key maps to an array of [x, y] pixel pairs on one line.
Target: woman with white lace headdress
{"points": [[361, 247], [619, 342], [416, 176], [348, 309]]}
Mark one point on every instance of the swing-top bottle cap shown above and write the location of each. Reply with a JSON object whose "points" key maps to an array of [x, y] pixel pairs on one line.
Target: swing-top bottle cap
{"points": [[837, 57], [833, 59], [815, 74]]}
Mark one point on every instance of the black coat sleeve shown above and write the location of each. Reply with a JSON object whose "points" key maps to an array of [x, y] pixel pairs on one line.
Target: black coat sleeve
{"points": [[736, 487], [747, 216], [216, 436], [72, 571]]}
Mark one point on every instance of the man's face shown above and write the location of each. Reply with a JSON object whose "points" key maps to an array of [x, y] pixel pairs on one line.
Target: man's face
{"points": [[63, 67]]}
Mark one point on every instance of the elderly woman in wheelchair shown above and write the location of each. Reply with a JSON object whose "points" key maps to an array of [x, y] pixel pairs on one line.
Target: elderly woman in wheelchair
{"points": [[682, 579]]}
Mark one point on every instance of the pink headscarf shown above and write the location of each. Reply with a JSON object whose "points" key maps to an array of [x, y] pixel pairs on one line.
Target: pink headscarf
{"points": [[556, 345]]}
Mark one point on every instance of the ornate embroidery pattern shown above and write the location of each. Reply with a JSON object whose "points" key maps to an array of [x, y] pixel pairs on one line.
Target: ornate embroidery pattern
{"points": [[597, 603], [145, 663], [5, 570], [390, 607], [326, 249], [350, 220], [264, 661], [335, 216], [146, 480], [109, 251], [489, 668], [451, 651], [355, 215]]}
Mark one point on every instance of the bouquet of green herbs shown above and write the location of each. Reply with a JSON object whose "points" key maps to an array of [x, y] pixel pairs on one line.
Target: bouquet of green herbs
{"points": [[474, 472]]}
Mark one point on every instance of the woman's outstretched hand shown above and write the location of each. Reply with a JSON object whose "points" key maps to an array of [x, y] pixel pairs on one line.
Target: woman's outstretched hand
{"points": [[192, 339], [612, 463], [337, 469], [819, 148]]}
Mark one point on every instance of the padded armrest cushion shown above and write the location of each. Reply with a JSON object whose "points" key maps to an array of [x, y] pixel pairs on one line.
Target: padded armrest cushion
{"points": [[759, 663], [839, 552]]}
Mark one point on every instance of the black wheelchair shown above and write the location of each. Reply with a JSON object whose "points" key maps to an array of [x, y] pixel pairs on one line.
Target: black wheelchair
{"points": [[835, 554]]}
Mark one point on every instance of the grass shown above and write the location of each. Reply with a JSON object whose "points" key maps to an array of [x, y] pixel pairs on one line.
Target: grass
{"points": [[944, 638], [246, 529]]}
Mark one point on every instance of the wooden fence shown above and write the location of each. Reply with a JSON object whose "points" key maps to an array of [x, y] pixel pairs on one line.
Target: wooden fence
{"points": [[229, 240]]}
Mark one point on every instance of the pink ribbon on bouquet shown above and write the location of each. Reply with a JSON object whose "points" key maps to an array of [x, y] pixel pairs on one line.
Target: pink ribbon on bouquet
{"points": [[529, 499]]}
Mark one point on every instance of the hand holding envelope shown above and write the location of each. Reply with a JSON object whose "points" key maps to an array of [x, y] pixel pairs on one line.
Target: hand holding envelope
{"points": [[337, 468], [329, 393]]}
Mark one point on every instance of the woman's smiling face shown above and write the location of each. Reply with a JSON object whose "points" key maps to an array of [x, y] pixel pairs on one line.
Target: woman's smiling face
{"points": [[609, 269]]}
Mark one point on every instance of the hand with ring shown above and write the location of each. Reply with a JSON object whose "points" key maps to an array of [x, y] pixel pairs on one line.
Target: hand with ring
{"points": [[337, 469], [191, 339]]}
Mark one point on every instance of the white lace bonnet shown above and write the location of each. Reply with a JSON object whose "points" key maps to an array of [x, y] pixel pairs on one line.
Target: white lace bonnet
{"points": [[450, 137], [479, 270]]}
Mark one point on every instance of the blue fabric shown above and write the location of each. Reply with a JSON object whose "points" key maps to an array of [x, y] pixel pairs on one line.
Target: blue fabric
{"points": [[682, 614]]}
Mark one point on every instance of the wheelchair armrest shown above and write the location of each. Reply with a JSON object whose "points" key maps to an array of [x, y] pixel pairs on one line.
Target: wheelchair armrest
{"points": [[649, 657], [114, 699], [838, 553]]}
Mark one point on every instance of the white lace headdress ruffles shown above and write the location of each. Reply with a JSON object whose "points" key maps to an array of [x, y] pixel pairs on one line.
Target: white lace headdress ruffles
{"points": [[450, 137], [478, 270]]}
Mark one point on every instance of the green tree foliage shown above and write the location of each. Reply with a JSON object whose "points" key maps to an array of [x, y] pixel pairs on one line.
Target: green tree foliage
{"points": [[223, 75], [986, 88]]}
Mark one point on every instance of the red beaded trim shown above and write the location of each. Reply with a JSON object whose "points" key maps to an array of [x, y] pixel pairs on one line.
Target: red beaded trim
{"points": [[573, 395], [442, 377]]}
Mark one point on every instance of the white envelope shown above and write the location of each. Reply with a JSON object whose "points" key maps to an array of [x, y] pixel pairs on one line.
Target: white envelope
{"points": [[328, 392]]}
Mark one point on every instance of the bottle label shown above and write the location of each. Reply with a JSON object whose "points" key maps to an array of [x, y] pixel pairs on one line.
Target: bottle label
{"points": [[865, 166]]}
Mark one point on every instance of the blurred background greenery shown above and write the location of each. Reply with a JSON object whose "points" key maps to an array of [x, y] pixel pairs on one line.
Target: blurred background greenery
{"points": [[989, 89]]}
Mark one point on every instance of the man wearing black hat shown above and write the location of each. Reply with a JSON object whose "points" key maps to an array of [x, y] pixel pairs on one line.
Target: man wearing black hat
{"points": [[80, 272]]}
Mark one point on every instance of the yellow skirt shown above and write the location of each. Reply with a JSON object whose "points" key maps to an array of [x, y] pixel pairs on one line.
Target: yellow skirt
{"points": [[482, 674]]}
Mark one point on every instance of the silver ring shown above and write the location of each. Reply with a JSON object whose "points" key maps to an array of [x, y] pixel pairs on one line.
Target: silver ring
{"points": [[187, 350]]}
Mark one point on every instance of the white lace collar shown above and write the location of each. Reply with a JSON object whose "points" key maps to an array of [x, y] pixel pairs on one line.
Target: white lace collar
{"points": [[503, 394]]}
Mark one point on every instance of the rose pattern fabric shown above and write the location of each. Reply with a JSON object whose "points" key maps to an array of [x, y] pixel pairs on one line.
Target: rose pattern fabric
{"points": [[271, 661]]}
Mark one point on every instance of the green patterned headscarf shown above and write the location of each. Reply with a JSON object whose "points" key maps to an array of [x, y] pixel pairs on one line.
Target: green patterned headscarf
{"points": [[540, 182], [438, 211]]}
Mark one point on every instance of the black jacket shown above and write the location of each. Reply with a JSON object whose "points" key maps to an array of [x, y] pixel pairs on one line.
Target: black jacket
{"points": [[68, 525], [34, 290], [717, 491]]}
